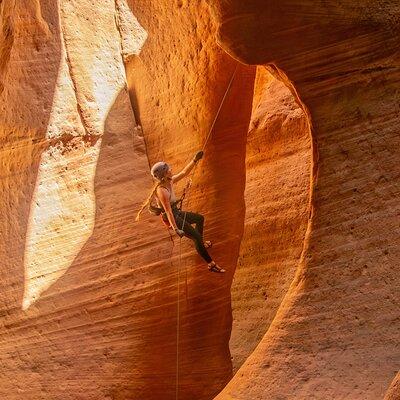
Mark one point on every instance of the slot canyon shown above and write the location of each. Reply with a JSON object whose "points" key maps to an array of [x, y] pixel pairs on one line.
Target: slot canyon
{"points": [[299, 186]]}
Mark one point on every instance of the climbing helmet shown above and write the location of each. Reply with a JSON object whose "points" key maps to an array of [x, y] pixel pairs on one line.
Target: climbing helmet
{"points": [[158, 170]]}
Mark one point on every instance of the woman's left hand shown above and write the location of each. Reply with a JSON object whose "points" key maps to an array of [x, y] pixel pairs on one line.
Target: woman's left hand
{"points": [[180, 233]]}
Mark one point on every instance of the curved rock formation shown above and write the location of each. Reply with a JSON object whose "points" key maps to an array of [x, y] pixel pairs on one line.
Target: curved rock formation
{"points": [[394, 390], [335, 335], [278, 167], [176, 99], [89, 298]]}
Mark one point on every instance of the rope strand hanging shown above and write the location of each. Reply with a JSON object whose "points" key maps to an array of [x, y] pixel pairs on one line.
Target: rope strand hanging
{"points": [[190, 178]]}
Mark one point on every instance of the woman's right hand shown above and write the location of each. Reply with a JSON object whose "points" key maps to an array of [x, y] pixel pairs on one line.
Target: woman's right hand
{"points": [[180, 232]]}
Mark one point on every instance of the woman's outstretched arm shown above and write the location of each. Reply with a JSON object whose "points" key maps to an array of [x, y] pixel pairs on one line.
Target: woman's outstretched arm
{"points": [[185, 172]]}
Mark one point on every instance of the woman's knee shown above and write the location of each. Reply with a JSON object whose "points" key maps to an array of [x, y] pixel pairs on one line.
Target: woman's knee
{"points": [[200, 219]]}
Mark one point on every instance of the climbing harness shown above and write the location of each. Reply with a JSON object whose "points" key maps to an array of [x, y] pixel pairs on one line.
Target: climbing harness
{"points": [[177, 204], [160, 210]]}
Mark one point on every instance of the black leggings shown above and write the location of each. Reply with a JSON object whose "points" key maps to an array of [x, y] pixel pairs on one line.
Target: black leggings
{"points": [[196, 234]]}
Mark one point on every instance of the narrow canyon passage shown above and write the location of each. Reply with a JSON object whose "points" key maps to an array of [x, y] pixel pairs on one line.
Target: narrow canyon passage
{"points": [[336, 333], [277, 197], [89, 298], [309, 305]]}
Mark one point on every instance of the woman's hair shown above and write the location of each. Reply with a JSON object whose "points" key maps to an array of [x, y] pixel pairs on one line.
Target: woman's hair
{"points": [[148, 200], [158, 171]]}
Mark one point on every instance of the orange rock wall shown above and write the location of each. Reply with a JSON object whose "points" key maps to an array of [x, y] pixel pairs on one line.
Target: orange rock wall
{"points": [[89, 298], [176, 86], [278, 167], [394, 389], [335, 335]]}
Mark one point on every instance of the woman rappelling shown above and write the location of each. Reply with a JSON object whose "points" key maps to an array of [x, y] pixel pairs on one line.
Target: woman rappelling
{"points": [[168, 206]]}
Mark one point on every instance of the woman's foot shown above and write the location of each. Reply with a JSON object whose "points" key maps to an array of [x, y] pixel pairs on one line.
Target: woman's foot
{"points": [[207, 244], [213, 267]]}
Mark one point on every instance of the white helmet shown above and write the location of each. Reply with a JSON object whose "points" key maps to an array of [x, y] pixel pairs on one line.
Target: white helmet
{"points": [[158, 170]]}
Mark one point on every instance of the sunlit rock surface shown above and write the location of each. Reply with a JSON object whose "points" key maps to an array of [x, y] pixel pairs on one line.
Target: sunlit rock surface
{"points": [[89, 297], [394, 389]]}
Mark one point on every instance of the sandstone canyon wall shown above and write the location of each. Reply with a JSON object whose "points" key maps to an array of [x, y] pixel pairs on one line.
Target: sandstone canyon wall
{"points": [[89, 298], [394, 389], [278, 168], [336, 333]]}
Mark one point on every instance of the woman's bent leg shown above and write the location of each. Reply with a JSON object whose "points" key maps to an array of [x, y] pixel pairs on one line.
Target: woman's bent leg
{"points": [[194, 218], [193, 234]]}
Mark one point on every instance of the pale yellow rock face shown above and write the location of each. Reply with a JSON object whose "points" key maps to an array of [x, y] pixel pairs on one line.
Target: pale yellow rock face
{"points": [[89, 78], [64, 102]]}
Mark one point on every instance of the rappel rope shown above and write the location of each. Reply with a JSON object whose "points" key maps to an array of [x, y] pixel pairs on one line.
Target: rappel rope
{"points": [[185, 192], [209, 135]]}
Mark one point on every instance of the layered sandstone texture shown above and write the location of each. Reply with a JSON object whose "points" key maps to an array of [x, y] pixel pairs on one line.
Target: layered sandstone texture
{"points": [[337, 331], [176, 86], [89, 298], [278, 168], [393, 392]]}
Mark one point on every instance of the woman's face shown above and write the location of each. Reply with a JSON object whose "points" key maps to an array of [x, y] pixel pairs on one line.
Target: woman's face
{"points": [[169, 173]]}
